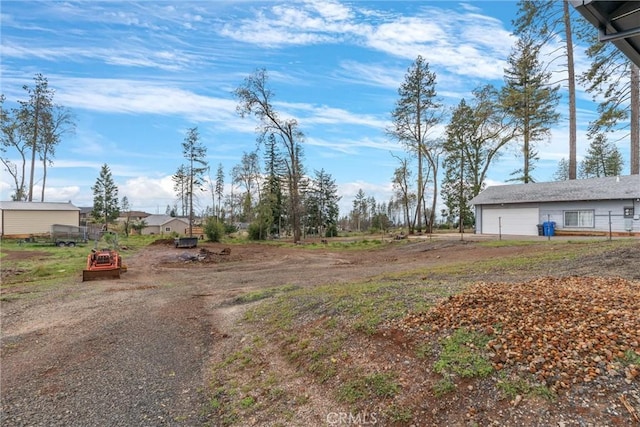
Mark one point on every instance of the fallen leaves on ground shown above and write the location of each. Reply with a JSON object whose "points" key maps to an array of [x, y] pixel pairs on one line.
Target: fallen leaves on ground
{"points": [[563, 331]]}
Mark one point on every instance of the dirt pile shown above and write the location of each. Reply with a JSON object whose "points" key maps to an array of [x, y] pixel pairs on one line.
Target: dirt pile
{"points": [[562, 331]]}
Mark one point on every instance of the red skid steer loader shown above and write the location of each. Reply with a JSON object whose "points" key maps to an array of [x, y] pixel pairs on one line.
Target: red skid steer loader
{"points": [[103, 264]]}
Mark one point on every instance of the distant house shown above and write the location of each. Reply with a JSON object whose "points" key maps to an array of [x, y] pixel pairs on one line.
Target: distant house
{"points": [[584, 206], [85, 214], [165, 224], [133, 216], [24, 219]]}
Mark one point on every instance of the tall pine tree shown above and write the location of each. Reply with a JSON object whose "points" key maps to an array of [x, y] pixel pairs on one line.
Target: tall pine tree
{"points": [[416, 113], [196, 155], [105, 198], [531, 100], [549, 23]]}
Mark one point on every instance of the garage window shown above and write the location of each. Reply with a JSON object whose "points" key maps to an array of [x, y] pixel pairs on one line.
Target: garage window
{"points": [[583, 219]]}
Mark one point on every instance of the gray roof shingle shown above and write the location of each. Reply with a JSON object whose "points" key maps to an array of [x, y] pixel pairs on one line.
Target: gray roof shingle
{"points": [[609, 188]]}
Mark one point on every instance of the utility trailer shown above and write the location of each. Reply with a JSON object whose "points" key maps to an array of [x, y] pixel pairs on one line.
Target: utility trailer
{"points": [[68, 235]]}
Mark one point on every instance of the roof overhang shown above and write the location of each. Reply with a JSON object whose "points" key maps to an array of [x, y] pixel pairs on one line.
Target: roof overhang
{"points": [[618, 22]]}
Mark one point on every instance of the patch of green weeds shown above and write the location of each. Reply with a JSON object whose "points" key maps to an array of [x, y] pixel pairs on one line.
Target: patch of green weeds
{"points": [[512, 387], [230, 418], [373, 385], [215, 404], [424, 350], [276, 393], [322, 370], [247, 402], [398, 414], [240, 358], [544, 392], [331, 323], [630, 358], [382, 384], [352, 391], [444, 386], [263, 294], [462, 354]]}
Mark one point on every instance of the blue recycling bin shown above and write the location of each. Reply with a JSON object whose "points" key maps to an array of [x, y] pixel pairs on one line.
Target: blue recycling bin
{"points": [[549, 228]]}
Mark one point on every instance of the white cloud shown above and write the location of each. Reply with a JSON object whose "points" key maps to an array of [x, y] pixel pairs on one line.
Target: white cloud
{"points": [[331, 10], [352, 146], [348, 190], [371, 74], [143, 97]]}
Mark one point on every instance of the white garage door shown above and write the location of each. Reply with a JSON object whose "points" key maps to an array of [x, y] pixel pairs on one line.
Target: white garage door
{"points": [[519, 221]]}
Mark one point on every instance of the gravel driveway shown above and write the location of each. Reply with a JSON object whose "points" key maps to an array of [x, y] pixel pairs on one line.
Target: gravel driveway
{"points": [[120, 358]]}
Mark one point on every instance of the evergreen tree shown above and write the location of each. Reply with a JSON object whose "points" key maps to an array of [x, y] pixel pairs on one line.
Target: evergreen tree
{"points": [[195, 153], [273, 197], [562, 173], [359, 212], [549, 21], [416, 113], [219, 191], [322, 205], [457, 187], [531, 101], [181, 187], [105, 198], [602, 159]]}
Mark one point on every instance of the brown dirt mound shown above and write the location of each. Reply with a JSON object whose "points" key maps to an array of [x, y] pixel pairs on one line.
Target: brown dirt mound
{"points": [[564, 331], [163, 242]]}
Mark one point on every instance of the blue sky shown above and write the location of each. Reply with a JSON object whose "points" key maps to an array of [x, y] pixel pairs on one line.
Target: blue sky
{"points": [[137, 75]]}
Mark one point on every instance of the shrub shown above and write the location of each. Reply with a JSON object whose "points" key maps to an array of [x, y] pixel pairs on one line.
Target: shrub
{"points": [[214, 229], [332, 231], [258, 231]]}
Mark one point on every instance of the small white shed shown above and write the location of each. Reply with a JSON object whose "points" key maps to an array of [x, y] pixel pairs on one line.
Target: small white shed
{"points": [[24, 219]]}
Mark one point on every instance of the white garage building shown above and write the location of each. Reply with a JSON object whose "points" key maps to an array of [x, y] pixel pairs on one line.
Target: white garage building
{"points": [[587, 206]]}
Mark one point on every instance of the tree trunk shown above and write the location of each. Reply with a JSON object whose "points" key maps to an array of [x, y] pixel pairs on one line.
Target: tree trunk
{"points": [[420, 192], [44, 177], [34, 146], [432, 215], [572, 92]]}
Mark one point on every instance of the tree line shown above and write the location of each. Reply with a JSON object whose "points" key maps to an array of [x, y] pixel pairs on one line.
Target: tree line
{"points": [[520, 114], [275, 194], [279, 199], [31, 133]]}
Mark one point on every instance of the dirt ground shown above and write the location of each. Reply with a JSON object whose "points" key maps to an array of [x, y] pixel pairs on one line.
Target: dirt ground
{"points": [[137, 351]]}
